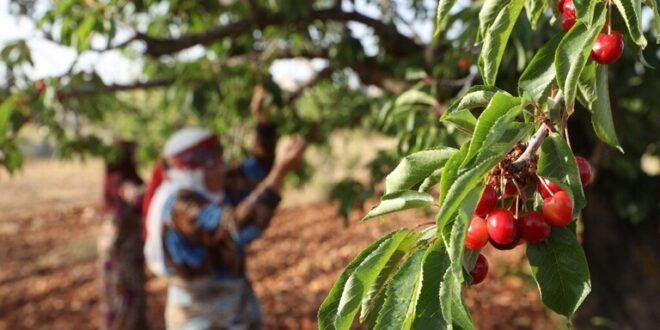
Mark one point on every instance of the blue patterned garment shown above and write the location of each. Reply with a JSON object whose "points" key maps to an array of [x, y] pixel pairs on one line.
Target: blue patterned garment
{"points": [[209, 217], [252, 169], [182, 252]]}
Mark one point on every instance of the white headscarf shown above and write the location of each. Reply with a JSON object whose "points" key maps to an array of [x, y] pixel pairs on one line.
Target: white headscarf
{"points": [[175, 179]]}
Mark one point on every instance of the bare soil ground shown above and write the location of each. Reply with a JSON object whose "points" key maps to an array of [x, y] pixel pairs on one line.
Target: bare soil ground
{"points": [[48, 275]]}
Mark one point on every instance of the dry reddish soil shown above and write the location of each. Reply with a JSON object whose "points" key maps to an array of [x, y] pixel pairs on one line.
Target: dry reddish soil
{"points": [[48, 278]]}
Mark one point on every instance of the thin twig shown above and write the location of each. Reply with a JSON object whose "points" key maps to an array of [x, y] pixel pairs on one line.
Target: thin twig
{"points": [[537, 139]]}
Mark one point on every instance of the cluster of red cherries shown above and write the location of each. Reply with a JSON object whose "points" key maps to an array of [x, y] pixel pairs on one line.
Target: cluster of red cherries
{"points": [[608, 47], [500, 227]]}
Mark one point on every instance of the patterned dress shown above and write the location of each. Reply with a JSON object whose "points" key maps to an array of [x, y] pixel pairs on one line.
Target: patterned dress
{"points": [[205, 242], [121, 264]]}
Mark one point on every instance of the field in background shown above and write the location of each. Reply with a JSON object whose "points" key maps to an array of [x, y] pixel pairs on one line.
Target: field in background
{"points": [[49, 222]]}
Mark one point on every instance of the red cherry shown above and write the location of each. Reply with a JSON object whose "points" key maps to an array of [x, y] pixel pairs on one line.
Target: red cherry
{"points": [[560, 5], [510, 189], [585, 170], [61, 96], [463, 63], [532, 227], [480, 270], [608, 48], [477, 234], [486, 202], [558, 209], [545, 193], [568, 8], [501, 226], [567, 22], [504, 247], [40, 85]]}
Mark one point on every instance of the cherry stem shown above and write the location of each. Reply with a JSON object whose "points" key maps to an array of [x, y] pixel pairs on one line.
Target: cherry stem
{"points": [[609, 17], [517, 188], [502, 187], [537, 139], [517, 199], [547, 187]]}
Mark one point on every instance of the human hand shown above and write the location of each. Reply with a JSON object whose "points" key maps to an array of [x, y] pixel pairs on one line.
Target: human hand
{"points": [[291, 157]]}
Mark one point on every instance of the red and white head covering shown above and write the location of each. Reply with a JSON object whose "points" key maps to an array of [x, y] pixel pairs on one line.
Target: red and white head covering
{"points": [[184, 155]]}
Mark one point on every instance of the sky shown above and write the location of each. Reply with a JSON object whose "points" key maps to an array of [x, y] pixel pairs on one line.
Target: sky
{"points": [[51, 59]]}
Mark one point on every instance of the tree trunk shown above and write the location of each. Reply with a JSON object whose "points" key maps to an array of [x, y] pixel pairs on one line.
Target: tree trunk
{"points": [[624, 260]]}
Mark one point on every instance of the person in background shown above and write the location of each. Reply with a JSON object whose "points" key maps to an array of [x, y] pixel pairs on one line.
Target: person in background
{"points": [[203, 216], [123, 299]]}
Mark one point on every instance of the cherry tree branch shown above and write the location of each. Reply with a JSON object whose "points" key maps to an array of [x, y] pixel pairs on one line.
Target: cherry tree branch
{"points": [[537, 139], [393, 41]]}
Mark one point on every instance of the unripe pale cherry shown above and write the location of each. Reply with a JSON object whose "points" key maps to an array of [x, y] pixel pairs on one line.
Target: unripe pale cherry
{"points": [[501, 226], [477, 234], [480, 270], [543, 189], [608, 48], [558, 209], [486, 202], [532, 227], [585, 170]]}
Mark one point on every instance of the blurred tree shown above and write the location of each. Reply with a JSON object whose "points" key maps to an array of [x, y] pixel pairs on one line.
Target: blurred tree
{"points": [[372, 66]]}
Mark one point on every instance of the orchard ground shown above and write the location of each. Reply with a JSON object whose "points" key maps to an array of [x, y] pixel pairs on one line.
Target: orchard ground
{"points": [[48, 278]]}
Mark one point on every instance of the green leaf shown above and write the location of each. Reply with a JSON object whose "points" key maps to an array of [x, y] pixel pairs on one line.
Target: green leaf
{"points": [[631, 12], [587, 85], [476, 97], [501, 105], [450, 171], [416, 167], [495, 40], [398, 201], [561, 271], [459, 113], [6, 110], [461, 187], [402, 294], [501, 139], [601, 112], [463, 119], [535, 9], [487, 15], [452, 303], [374, 298], [428, 314], [540, 73], [431, 180], [557, 161], [341, 304], [414, 96], [441, 15], [456, 242], [572, 55], [84, 31], [584, 10]]}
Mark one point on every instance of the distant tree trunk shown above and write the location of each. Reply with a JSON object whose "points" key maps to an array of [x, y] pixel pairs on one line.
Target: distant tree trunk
{"points": [[624, 260]]}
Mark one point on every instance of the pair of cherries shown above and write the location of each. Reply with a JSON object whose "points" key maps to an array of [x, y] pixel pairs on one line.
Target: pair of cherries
{"points": [[608, 47], [504, 232]]}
